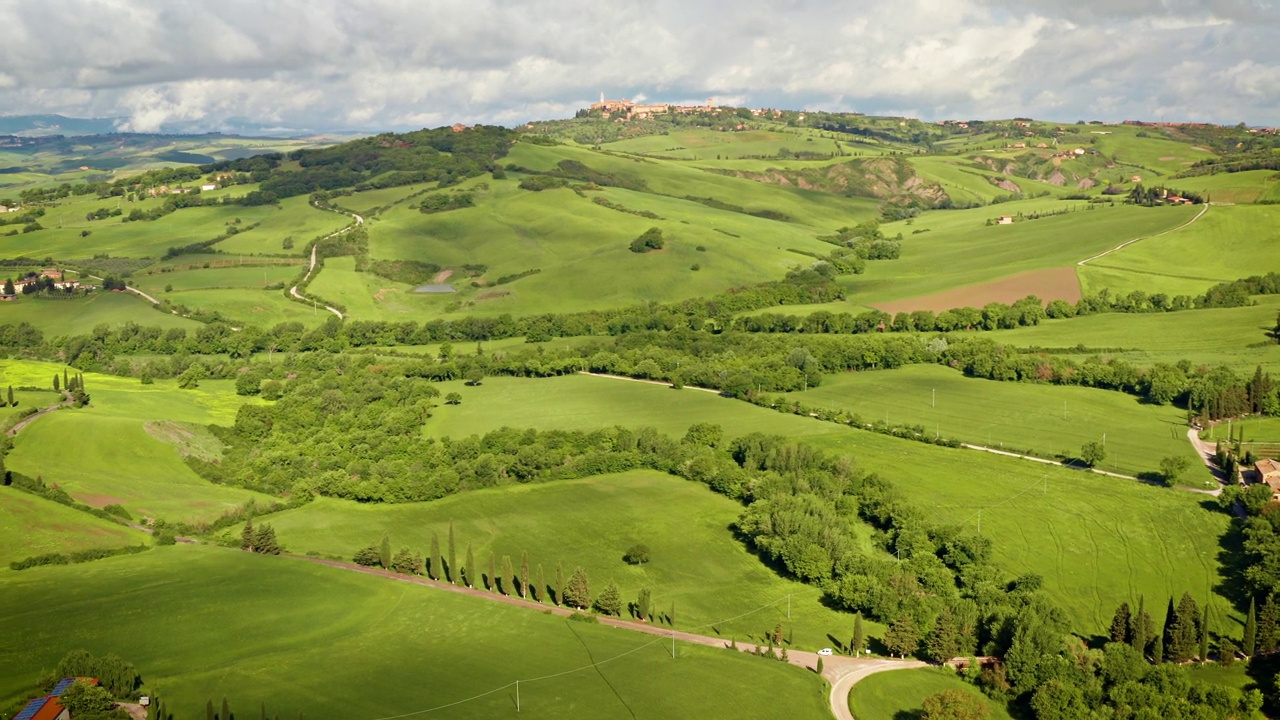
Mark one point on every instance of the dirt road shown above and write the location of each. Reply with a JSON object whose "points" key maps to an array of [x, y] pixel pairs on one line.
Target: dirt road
{"points": [[314, 258], [66, 400], [1127, 243]]}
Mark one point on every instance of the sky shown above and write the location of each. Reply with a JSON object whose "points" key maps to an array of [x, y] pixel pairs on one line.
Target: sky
{"points": [[400, 64]]}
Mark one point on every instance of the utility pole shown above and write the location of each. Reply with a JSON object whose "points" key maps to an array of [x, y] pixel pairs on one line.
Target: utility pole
{"points": [[517, 696], [933, 403], [979, 522]]}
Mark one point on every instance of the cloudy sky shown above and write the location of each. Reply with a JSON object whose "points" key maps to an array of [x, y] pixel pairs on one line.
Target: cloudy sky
{"points": [[396, 64]]}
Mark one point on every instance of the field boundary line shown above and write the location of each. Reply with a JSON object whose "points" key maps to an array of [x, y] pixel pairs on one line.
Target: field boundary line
{"points": [[1127, 243]]}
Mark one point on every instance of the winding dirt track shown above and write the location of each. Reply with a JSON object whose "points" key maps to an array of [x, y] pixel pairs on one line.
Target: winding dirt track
{"points": [[1127, 243], [312, 267]]}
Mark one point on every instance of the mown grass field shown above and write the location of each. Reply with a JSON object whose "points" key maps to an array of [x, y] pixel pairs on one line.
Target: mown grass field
{"points": [[1227, 243], [78, 316], [899, 694], [1097, 541], [336, 644], [946, 250], [250, 306], [116, 459], [1048, 420], [371, 297], [1221, 336], [31, 525], [214, 278], [697, 563]]}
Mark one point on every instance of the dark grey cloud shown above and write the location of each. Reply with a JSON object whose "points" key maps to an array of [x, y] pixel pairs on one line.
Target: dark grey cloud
{"points": [[399, 63]]}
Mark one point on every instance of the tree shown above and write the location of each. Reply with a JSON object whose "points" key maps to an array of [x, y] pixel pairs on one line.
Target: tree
{"points": [[83, 698], [384, 555], [1249, 645], [859, 637], [1227, 650], [471, 567], [577, 594], [1268, 624], [650, 239], [610, 601], [453, 557], [8, 287], [368, 557], [208, 710], [1173, 466], [11, 400], [943, 642], [954, 705], [436, 562], [246, 535], [1121, 624], [539, 584], [1092, 453], [524, 574], [637, 555], [57, 387], [1204, 635], [493, 573], [508, 574], [1157, 650], [474, 376], [1143, 629], [704, 434], [264, 541], [226, 710], [902, 637], [1184, 634], [558, 590], [407, 562], [453, 398], [643, 601]]}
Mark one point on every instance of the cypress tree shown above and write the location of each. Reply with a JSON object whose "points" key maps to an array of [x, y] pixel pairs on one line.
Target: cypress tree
{"points": [[11, 402], [643, 602], [208, 710], [246, 536], [524, 574], [263, 716], [493, 573], [1121, 623], [819, 665], [58, 388], [1250, 643], [559, 588], [436, 562], [471, 567], [507, 575], [384, 554], [1268, 620], [65, 383], [855, 644], [226, 709], [453, 557], [1204, 635], [577, 593], [671, 617], [539, 584], [1157, 650]]}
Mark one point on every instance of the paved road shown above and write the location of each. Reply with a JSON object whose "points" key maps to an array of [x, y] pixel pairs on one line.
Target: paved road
{"points": [[1127, 243], [842, 672]]}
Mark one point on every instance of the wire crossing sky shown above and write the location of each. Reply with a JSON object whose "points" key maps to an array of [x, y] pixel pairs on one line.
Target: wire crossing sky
{"points": [[399, 64]]}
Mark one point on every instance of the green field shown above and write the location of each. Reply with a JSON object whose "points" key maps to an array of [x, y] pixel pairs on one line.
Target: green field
{"points": [[216, 278], [946, 250], [697, 563], [1048, 420], [116, 458], [1221, 336], [900, 693], [31, 525], [78, 316], [1097, 541], [1228, 243], [304, 638]]}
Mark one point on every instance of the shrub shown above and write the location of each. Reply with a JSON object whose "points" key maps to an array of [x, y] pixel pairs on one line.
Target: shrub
{"points": [[651, 239], [637, 555]]}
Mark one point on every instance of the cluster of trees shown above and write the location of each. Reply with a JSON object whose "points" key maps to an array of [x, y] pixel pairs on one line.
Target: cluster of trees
{"points": [[1152, 196], [441, 202], [650, 239], [261, 539]]}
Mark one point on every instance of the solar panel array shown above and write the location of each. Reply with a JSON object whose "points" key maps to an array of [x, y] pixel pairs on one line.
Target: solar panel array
{"points": [[31, 709], [62, 686]]}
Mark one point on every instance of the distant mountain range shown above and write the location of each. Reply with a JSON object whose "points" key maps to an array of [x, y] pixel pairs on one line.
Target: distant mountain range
{"points": [[40, 125]]}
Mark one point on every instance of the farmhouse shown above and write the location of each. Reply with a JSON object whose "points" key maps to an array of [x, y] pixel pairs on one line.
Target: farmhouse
{"points": [[209, 186], [1005, 220], [1268, 471]]}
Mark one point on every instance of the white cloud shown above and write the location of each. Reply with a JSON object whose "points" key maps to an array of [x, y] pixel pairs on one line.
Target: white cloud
{"points": [[401, 63]]}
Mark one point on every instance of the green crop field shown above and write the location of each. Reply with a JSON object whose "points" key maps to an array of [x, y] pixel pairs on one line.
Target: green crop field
{"points": [[232, 276], [1220, 336], [900, 693], [1097, 541], [293, 219], [78, 316], [697, 563], [942, 251], [303, 638], [117, 459], [31, 525], [249, 306], [1048, 420], [367, 202], [1226, 244]]}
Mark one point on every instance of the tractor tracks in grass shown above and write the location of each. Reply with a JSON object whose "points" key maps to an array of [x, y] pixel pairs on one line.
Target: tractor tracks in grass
{"points": [[1127, 243]]}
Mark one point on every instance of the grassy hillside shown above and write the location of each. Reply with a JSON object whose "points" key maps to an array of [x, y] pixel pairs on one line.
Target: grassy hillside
{"points": [[1138, 539], [315, 640], [120, 455], [697, 562], [1049, 420], [30, 525], [899, 694], [78, 316]]}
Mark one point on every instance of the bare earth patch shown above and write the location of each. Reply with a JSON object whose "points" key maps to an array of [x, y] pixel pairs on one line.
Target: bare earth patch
{"points": [[442, 276], [494, 295], [382, 294], [1051, 284], [99, 501]]}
